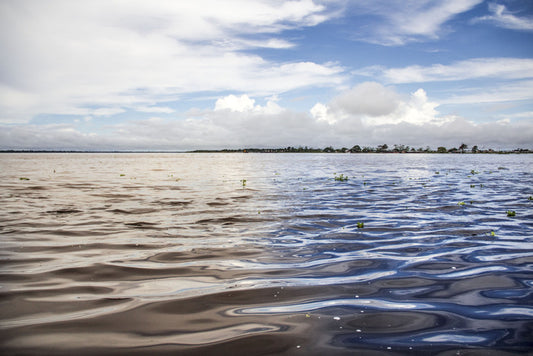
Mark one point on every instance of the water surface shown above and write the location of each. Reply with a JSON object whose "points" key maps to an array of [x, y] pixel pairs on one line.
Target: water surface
{"points": [[263, 254]]}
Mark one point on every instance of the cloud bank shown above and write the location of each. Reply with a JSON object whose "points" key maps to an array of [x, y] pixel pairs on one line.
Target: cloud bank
{"points": [[236, 121]]}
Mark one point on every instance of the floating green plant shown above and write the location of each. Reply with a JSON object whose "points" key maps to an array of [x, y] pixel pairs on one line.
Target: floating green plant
{"points": [[243, 181], [360, 225], [511, 213], [474, 172], [24, 178], [341, 178], [492, 233], [461, 203], [437, 172], [530, 197], [472, 185], [122, 174]]}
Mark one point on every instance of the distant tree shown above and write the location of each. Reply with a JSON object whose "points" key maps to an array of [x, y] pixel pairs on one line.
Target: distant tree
{"points": [[453, 150], [383, 148], [356, 149], [400, 148], [442, 149], [328, 149], [463, 147], [475, 149]]}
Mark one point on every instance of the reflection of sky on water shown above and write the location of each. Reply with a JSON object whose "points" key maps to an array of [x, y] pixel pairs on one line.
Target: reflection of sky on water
{"points": [[145, 230]]}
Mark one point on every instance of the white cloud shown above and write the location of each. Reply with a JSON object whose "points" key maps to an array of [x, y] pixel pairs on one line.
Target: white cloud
{"points": [[503, 18], [155, 109], [522, 115], [235, 103], [369, 98], [106, 111], [321, 112], [64, 56], [403, 21], [499, 92], [418, 110], [499, 68], [374, 104], [244, 103]]}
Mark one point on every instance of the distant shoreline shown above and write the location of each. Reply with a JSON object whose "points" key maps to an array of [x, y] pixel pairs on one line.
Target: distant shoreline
{"points": [[286, 150]]}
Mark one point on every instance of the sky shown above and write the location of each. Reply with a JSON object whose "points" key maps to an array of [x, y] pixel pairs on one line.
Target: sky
{"points": [[208, 74]]}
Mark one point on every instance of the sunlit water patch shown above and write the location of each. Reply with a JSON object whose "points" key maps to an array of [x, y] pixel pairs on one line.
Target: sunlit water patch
{"points": [[266, 254]]}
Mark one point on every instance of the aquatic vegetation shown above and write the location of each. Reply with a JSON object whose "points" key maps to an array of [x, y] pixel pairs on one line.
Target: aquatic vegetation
{"points": [[341, 178], [24, 178], [474, 172], [243, 181], [492, 233], [360, 225], [530, 197], [511, 213], [122, 174], [461, 203]]}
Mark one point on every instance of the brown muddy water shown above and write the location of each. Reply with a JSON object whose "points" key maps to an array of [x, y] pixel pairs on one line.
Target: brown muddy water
{"points": [[266, 254]]}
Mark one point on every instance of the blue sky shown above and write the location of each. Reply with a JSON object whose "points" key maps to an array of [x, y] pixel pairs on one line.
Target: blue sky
{"points": [[180, 75]]}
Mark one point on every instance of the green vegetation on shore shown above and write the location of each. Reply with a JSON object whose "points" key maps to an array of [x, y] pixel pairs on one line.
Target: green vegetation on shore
{"points": [[463, 148]]}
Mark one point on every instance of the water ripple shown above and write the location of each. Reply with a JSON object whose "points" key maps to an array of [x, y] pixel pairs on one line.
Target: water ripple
{"points": [[172, 253]]}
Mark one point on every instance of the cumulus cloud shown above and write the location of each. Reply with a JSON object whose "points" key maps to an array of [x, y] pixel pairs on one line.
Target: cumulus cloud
{"points": [[61, 57], [504, 18], [244, 103], [375, 104], [403, 21], [370, 98], [235, 103]]}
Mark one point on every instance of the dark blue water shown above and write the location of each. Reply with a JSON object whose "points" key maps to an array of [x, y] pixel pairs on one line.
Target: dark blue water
{"points": [[263, 254]]}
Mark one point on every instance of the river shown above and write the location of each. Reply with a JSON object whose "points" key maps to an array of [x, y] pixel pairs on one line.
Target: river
{"points": [[266, 254]]}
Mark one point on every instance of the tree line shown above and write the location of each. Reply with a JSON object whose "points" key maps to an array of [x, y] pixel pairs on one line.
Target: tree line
{"points": [[384, 148]]}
